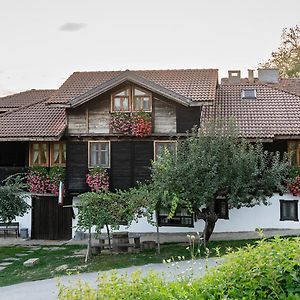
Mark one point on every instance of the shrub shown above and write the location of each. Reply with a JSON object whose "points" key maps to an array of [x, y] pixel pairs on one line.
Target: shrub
{"points": [[269, 270]]}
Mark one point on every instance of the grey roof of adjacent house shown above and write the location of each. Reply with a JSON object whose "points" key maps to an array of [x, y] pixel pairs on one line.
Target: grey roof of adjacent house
{"points": [[274, 113], [34, 121]]}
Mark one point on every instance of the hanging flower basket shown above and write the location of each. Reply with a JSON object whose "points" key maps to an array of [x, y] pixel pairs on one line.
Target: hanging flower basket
{"points": [[121, 123], [39, 181], [294, 186], [138, 124], [97, 179]]}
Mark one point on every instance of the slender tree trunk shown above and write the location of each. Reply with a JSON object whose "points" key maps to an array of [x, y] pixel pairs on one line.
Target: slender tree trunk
{"points": [[89, 246], [157, 236], [210, 218], [108, 236]]}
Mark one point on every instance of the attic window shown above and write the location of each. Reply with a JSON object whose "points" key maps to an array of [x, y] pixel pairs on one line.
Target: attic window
{"points": [[249, 94]]}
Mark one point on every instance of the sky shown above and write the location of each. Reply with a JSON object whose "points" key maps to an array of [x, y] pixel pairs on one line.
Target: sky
{"points": [[43, 42]]}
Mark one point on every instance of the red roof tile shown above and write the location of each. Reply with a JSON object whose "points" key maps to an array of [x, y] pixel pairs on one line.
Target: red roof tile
{"points": [[24, 98], [195, 84], [273, 113], [35, 121]]}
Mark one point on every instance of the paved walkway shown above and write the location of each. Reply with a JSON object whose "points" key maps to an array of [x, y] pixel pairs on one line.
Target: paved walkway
{"points": [[47, 289]]}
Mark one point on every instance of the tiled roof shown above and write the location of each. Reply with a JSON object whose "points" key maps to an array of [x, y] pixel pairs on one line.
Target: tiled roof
{"points": [[195, 84], [24, 98], [34, 121], [291, 85], [273, 113]]}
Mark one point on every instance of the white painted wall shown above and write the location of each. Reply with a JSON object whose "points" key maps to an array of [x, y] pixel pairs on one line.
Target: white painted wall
{"points": [[25, 221], [244, 219]]}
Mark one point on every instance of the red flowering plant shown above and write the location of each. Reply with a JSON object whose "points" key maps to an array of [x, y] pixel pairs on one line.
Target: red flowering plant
{"points": [[293, 182], [141, 124], [39, 181], [121, 123], [97, 179]]}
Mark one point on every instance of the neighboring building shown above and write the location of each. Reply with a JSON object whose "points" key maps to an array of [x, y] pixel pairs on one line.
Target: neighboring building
{"points": [[73, 127]]}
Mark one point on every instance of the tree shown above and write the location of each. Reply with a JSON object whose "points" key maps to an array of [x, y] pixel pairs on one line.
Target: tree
{"points": [[287, 57], [12, 203], [212, 163], [104, 209]]}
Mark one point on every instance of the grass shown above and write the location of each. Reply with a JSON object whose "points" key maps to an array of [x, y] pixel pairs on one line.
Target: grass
{"points": [[50, 260]]}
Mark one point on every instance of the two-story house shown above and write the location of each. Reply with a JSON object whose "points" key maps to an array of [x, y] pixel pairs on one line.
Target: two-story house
{"points": [[74, 127]]}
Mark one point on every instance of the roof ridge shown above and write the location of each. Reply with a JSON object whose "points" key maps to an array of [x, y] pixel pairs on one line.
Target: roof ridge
{"points": [[27, 91]]}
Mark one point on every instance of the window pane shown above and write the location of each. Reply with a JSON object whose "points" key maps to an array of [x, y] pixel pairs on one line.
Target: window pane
{"points": [[138, 92], [164, 146], [43, 154], [56, 153], [146, 103], [123, 93], [64, 153], [117, 104], [125, 103], [99, 154], [35, 154]]}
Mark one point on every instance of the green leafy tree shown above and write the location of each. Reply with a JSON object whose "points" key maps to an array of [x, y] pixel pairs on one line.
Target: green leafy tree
{"points": [[213, 163], [12, 203], [103, 209], [287, 57]]}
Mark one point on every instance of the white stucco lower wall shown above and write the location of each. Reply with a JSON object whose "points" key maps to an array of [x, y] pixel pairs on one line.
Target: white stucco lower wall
{"points": [[244, 219], [25, 221]]}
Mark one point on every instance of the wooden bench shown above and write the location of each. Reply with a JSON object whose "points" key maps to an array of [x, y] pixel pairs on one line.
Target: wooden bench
{"points": [[9, 227]]}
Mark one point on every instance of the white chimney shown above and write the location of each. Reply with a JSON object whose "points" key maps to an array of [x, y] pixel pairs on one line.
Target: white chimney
{"points": [[251, 76], [234, 76], [268, 75]]}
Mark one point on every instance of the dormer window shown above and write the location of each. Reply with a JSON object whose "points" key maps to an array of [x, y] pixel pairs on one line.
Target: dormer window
{"points": [[121, 101], [249, 94], [131, 99], [141, 100]]}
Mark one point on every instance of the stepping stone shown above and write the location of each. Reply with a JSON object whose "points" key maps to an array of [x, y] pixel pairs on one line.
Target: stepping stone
{"points": [[35, 248], [61, 268], [31, 262], [54, 248], [2, 268], [5, 264], [10, 259], [21, 254]]}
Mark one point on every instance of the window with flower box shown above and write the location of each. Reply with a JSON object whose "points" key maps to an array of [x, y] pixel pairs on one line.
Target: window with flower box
{"points": [[99, 154], [294, 153], [161, 146], [39, 154], [58, 154], [47, 154], [131, 99]]}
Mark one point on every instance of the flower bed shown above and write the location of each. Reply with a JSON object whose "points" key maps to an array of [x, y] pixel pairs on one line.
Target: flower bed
{"points": [[97, 179], [40, 181], [137, 124]]}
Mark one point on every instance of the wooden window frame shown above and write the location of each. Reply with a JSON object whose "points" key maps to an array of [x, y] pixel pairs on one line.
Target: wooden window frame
{"points": [[109, 153], [160, 224], [290, 202], [162, 142], [297, 152], [133, 99], [112, 100], [60, 154], [31, 153]]}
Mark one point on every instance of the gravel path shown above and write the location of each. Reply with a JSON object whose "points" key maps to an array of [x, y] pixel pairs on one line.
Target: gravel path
{"points": [[47, 289]]}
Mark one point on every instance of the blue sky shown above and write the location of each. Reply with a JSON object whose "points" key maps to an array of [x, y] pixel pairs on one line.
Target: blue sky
{"points": [[43, 42]]}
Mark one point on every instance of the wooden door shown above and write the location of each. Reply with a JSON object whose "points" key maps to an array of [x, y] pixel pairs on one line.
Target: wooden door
{"points": [[51, 221]]}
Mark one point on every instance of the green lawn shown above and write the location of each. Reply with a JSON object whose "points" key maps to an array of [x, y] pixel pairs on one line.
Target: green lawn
{"points": [[49, 260]]}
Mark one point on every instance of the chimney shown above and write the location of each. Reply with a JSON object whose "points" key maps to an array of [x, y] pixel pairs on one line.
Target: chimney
{"points": [[251, 76], [234, 76], [268, 75]]}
